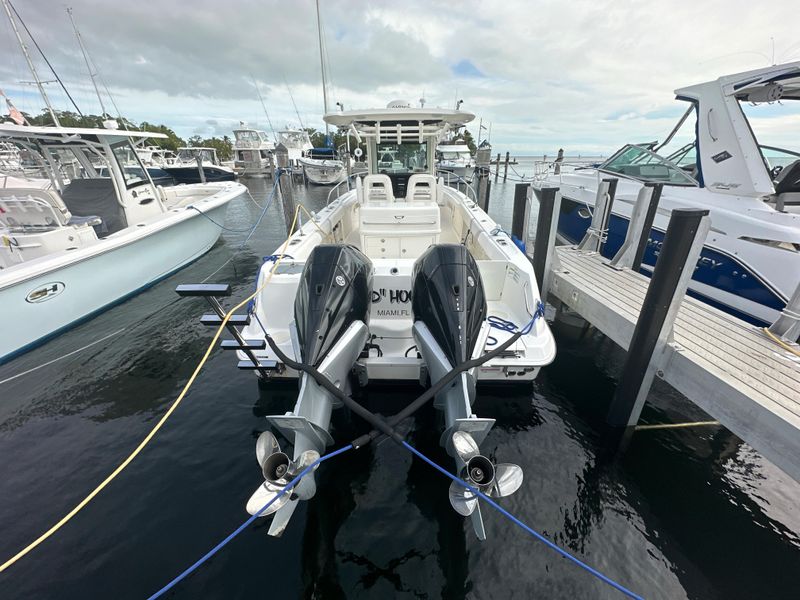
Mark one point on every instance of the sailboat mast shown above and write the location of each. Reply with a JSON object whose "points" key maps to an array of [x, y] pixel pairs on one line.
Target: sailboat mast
{"points": [[86, 60], [322, 66], [30, 64]]}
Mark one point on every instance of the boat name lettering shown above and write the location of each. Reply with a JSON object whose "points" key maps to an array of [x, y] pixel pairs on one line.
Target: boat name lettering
{"points": [[45, 292], [703, 261], [395, 296], [724, 155], [393, 312]]}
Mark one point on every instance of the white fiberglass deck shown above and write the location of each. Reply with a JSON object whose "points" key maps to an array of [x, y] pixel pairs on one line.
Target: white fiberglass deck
{"points": [[393, 233], [727, 367]]}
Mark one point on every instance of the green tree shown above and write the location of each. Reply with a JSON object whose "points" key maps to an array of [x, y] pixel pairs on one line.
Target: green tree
{"points": [[223, 146]]}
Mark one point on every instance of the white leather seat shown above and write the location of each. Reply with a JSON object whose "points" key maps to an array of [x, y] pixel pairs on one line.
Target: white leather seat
{"points": [[378, 189], [421, 188]]}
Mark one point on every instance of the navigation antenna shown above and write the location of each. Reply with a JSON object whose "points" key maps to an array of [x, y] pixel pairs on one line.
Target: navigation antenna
{"points": [[30, 64]]}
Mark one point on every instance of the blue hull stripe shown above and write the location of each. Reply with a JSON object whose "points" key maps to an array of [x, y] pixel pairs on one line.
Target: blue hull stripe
{"points": [[715, 269]]}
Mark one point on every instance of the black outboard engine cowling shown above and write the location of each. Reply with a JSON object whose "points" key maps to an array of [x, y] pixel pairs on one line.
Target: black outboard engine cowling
{"points": [[448, 296], [335, 289]]}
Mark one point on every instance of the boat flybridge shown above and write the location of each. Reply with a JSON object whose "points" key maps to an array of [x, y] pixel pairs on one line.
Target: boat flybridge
{"points": [[456, 158], [252, 152], [321, 166], [92, 240], [296, 142], [399, 279], [723, 160]]}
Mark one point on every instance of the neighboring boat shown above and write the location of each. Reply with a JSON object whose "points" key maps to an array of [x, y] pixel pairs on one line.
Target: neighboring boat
{"points": [[252, 152], [155, 156], [321, 166], [455, 158], [295, 142], [397, 280], [88, 242], [750, 264], [188, 162]]}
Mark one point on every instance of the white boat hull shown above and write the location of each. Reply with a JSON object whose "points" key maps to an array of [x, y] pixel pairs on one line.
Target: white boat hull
{"points": [[38, 308], [323, 172]]}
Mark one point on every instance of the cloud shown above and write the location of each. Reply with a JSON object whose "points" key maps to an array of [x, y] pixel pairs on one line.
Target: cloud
{"points": [[584, 75], [465, 68]]}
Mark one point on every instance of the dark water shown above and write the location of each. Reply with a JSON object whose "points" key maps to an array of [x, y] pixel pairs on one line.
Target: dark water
{"points": [[690, 513]]}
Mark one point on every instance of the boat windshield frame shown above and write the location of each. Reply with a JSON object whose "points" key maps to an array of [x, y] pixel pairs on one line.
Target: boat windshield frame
{"points": [[652, 159]]}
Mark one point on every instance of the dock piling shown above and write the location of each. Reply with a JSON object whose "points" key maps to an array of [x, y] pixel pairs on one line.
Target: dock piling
{"points": [[683, 241], [520, 216], [544, 242], [287, 199], [497, 170], [630, 254], [787, 325], [597, 230], [505, 171]]}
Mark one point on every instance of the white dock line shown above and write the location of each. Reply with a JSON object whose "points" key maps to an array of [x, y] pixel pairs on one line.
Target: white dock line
{"points": [[68, 354]]}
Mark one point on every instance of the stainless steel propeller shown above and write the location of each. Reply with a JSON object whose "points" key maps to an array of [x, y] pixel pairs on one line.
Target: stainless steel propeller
{"points": [[481, 473], [278, 470]]}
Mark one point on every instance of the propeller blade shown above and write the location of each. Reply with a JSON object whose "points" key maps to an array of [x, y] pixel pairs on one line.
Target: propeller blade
{"points": [[462, 500], [264, 494], [305, 460], [464, 445], [266, 444], [507, 480]]}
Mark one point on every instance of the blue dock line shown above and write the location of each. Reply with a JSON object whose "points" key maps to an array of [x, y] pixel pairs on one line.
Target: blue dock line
{"points": [[503, 325], [530, 530], [244, 525]]}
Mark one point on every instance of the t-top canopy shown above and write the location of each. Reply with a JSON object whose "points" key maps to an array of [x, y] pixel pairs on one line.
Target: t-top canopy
{"points": [[399, 116], [65, 133]]}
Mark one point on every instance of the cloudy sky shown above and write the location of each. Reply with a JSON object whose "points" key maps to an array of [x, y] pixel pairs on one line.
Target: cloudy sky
{"points": [[584, 75]]}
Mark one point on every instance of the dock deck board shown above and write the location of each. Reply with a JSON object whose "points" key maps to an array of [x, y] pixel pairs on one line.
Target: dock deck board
{"points": [[727, 367]]}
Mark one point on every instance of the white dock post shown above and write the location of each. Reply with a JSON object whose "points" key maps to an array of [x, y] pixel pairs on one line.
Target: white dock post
{"points": [[787, 325], [594, 238], [544, 257], [638, 229], [200, 169], [683, 241]]}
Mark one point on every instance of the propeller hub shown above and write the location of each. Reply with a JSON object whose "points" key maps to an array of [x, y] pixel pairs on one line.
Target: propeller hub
{"points": [[276, 466], [480, 470]]}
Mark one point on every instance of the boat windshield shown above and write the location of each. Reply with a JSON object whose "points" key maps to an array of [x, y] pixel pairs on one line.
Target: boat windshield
{"points": [[401, 158], [246, 135], [455, 155], [128, 160], [293, 139], [642, 164], [191, 154]]}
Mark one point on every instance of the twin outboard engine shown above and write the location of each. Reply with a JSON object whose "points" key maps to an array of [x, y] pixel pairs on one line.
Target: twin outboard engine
{"points": [[331, 317], [450, 311]]}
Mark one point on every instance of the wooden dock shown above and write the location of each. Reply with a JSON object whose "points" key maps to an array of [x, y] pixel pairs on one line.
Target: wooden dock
{"points": [[727, 367]]}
